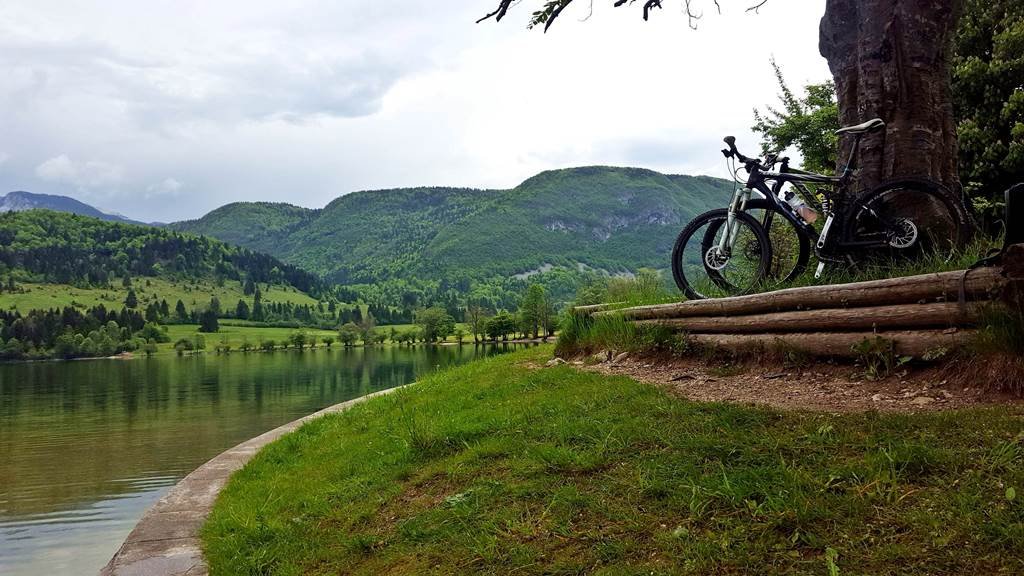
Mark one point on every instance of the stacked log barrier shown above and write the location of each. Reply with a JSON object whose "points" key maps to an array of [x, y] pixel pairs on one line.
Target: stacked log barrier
{"points": [[918, 314]]}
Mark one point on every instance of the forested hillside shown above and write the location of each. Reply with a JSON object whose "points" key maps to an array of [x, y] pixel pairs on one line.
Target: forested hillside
{"points": [[75, 286], [612, 219], [256, 225], [55, 247]]}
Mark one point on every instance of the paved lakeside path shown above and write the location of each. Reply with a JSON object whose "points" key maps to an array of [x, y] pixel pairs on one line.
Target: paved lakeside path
{"points": [[165, 542]]}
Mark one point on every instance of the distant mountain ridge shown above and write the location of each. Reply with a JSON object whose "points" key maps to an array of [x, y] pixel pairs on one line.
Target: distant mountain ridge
{"points": [[609, 218], [20, 201]]}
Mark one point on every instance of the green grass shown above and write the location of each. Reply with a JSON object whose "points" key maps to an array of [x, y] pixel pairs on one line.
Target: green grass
{"points": [[496, 467], [235, 335], [581, 334], [194, 295]]}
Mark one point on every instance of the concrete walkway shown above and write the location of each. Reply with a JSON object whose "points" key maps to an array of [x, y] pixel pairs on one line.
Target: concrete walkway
{"points": [[165, 542]]}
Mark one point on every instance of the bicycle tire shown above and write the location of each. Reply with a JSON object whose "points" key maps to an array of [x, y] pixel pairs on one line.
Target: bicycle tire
{"points": [[887, 197], [803, 242], [720, 215]]}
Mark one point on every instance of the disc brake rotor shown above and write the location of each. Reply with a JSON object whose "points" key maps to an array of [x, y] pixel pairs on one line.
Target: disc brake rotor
{"points": [[715, 259], [904, 234]]}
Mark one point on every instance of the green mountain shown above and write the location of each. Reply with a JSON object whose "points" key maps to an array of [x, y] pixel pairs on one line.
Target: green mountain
{"points": [[256, 225], [47, 247], [613, 219]]}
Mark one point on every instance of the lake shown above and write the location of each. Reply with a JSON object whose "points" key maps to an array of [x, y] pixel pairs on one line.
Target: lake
{"points": [[87, 446]]}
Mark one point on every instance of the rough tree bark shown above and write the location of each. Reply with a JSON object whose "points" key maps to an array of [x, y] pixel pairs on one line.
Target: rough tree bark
{"points": [[890, 60]]}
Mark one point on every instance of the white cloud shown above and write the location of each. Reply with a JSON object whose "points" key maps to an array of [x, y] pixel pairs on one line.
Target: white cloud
{"points": [[166, 187], [304, 101], [82, 175]]}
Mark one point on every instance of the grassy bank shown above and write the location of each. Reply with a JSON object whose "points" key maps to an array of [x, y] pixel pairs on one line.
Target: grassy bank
{"points": [[500, 467], [235, 333], [147, 290], [234, 336]]}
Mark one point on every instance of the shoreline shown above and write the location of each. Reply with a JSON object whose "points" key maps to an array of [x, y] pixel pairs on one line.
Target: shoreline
{"points": [[165, 540], [165, 353]]}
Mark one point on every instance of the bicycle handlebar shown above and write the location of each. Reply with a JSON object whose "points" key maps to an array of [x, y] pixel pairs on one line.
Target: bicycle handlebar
{"points": [[733, 151]]}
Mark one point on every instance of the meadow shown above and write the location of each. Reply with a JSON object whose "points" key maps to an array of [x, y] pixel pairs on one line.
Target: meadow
{"points": [[503, 466], [195, 295]]}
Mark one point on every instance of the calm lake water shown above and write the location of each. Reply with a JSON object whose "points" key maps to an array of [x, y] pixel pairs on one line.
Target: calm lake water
{"points": [[86, 447]]}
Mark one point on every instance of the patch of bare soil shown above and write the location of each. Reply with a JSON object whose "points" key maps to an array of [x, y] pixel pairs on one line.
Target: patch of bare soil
{"points": [[821, 387]]}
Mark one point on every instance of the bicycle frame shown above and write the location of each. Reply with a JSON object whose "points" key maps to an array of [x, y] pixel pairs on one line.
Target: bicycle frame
{"points": [[758, 182], [758, 179]]}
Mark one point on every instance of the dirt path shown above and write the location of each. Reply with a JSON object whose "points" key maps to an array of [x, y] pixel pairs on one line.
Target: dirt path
{"points": [[823, 387]]}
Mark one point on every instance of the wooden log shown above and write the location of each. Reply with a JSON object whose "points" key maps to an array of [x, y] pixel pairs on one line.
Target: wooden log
{"points": [[981, 284], [907, 343], [592, 308], [900, 316]]}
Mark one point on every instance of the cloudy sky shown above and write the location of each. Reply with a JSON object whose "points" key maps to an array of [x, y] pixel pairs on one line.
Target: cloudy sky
{"points": [[165, 109]]}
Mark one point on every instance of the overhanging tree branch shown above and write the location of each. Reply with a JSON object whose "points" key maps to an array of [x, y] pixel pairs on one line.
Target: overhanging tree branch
{"points": [[552, 9]]}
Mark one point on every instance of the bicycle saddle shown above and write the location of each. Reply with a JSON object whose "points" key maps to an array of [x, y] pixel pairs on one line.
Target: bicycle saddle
{"points": [[869, 126]]}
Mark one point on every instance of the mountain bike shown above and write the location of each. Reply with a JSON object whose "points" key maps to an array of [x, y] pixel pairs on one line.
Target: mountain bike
{"points": [[766, 235]]}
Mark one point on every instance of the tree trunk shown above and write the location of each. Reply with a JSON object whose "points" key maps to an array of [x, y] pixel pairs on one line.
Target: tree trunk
{"points": [[890, 60]]}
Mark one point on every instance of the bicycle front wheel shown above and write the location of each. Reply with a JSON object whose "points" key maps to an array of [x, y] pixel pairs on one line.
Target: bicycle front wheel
{"points": [[710, 262], [791, 248]]}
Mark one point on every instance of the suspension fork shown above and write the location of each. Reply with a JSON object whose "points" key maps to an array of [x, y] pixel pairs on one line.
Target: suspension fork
{"points": [[738, 204]]}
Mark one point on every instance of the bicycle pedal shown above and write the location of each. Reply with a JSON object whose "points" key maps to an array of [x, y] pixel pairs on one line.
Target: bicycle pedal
{"points": [[819, 271]]}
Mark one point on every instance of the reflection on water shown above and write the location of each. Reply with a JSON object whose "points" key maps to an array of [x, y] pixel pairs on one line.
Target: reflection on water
{"points": [[86, 447]]}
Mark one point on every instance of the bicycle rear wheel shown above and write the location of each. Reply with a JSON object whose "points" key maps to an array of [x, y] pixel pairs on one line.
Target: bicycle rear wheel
{"points": [[702, 270], [909, 219]]}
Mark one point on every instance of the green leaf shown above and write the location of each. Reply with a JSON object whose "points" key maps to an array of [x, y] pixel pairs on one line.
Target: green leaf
{"points": [[1011, 493]]}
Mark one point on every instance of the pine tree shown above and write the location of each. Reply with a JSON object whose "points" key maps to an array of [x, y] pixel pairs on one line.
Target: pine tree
{"points": [[208, 321], [257, 306], [180, 312], [242, 310], [153, 312], [131, 301]]}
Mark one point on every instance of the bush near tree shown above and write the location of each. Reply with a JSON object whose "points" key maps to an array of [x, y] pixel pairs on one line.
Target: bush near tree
{"points": [[300, 338], [436, 323], [500, 326], [349, 334]]}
